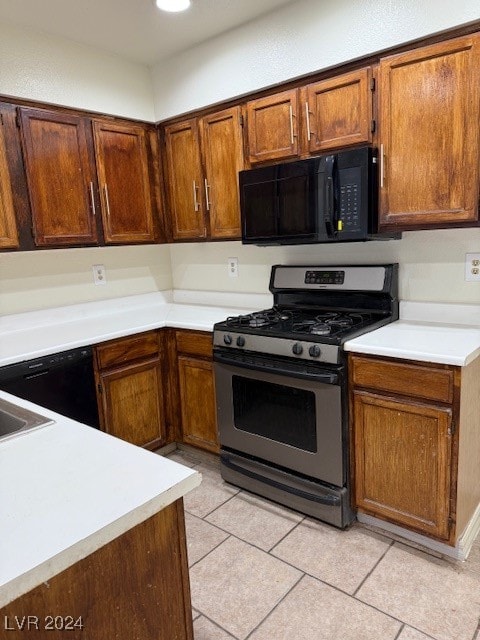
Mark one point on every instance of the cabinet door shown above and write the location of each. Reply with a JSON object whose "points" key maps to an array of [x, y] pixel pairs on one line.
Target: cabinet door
{"points": [[132, 403], [221, 136], [402, 462], [197, 398], [60, 177], [185, 181], [338, 111], [429, 114], [8, 225], [124, 182], [273, 126]]}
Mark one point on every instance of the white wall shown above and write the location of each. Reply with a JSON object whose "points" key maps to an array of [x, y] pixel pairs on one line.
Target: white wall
{"points": [[431, 263], [300, 38], [41, 279], [58, 71]]}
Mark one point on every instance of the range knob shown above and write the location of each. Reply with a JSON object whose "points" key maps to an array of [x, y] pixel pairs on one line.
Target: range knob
{"points": [[227, 339], [240, 341], [314, 351], [297, 348]]}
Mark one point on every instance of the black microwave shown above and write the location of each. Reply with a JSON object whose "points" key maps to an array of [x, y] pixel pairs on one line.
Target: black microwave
{"points": [[329, 198]]}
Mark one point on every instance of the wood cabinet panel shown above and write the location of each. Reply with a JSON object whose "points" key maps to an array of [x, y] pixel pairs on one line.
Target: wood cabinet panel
{"points": [[402, 462], [132, 403], [185, 180], [273, 127], [195, 343], [197, 396], [222, 144], [338, 111], [122, 165], [60, 177], [8, 225], [127, 349], [137, 586], [425, 382], [429, 134]]}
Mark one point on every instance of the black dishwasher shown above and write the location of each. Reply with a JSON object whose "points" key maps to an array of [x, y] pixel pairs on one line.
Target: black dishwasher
{"points": [[63, 382]]}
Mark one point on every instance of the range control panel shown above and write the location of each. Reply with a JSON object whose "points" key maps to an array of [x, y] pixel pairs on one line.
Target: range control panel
{"points": [[324, 277]]}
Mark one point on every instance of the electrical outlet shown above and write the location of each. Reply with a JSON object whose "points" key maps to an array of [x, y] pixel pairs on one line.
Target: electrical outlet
{"points": [[472, 267], [232, 267], [99, 274]]}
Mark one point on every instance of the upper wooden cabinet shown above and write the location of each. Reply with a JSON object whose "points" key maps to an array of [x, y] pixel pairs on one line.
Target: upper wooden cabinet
{"points": [[124, 183], [60, 177], [273, 127], [8, 225], [222, 144], [324, 115], [429, 135], [338, 111], [184, 181], [68, 160], [203, 157]]}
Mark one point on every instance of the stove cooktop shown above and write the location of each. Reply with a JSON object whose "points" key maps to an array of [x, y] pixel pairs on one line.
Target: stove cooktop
{"points": [[316, 309], [318, 324]]}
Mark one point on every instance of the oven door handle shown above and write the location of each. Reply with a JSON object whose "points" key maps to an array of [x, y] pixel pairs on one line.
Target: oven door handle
{"points": [[326, 378], [328, 500]]}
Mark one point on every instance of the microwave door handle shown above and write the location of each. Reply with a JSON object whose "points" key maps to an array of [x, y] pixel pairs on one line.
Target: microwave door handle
{"points": [[329, 196]]}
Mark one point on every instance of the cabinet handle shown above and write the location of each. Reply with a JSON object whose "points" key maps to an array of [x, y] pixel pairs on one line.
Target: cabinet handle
{"points": [[382, 165], [92, 200], [307, 115], [207, 187], [292, 133], [107, 201], [196, 204]]}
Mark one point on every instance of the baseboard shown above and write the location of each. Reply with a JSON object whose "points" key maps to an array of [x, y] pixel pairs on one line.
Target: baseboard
{"points": [[459, 552]]}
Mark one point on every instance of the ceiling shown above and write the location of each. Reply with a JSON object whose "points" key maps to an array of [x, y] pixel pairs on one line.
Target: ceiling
{"points": [[134, 29]]}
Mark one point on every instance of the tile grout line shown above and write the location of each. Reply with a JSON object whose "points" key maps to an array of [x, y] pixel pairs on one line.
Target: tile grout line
{"points": [[354, 594], [476, 633], [207, 554], [219, 626], [402, 627], [283, 537], [275, 607]]}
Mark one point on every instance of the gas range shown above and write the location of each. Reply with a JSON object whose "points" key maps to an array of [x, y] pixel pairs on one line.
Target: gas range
{"points": [[316, 309]]}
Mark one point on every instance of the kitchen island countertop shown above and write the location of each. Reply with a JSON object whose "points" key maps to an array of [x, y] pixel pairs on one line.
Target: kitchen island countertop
{"points": [[66, 490]]}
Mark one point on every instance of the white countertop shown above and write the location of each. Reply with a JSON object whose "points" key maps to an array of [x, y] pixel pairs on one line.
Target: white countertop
{"points": [[64, 494], [451, 336], [25, 336]]}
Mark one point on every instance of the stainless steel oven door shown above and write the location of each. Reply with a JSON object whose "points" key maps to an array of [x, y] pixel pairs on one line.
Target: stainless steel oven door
{"points": [[293, 422]]}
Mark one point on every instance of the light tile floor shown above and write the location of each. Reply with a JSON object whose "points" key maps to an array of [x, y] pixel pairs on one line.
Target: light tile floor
{"points": [[261, 571]]}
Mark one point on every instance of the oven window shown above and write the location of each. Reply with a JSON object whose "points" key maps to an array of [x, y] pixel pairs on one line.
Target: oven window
{"points": [[274, 411]]}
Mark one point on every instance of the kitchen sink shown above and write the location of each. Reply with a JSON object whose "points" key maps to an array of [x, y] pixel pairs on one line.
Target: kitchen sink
{"points": [[15, 420]]}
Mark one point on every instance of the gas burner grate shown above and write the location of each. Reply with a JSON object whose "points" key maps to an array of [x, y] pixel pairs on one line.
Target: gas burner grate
{"points": [[259, 319]]}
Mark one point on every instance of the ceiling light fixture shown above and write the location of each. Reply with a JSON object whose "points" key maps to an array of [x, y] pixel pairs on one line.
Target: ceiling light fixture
{"points": [[173, 5]]}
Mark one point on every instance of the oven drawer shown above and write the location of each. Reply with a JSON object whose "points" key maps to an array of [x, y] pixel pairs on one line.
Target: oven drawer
{"points": [[418, 381]]}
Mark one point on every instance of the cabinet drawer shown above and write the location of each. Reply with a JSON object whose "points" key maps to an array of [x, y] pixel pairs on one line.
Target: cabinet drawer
{"points": [[195, 343], [430, 383], [126, 349]]}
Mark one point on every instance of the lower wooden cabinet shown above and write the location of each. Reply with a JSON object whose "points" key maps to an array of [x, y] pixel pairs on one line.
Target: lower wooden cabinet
{"points": [[415, 431], [196, 390], [136, 586], [402, 463], [129, 376]]}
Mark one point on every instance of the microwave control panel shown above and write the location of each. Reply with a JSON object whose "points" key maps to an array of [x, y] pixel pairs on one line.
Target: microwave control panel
{"points": [[349, 200]]}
